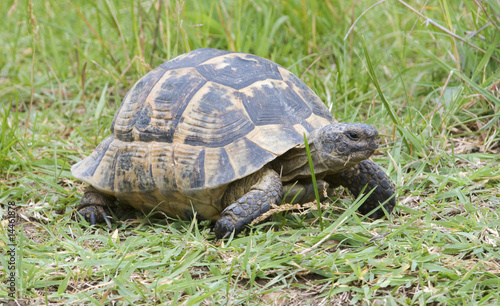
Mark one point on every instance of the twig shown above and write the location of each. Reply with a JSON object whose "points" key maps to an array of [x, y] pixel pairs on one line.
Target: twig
{"points": [[472, 34], [430, 21], [478, 3]]}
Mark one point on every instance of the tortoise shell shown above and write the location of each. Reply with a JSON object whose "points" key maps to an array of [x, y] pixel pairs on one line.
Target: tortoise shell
{"points": [[195, 124]]}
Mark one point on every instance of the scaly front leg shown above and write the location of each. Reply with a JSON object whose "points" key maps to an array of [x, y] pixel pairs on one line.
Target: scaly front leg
{"points": [[248, 198], [368, 174]]}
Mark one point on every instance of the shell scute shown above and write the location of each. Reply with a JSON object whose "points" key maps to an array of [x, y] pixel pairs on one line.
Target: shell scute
{"points": [[216, 120], [247, 157], [126, 117], [248, 68], [272, 103], [193, 58], [218, 166], [301, 89]]}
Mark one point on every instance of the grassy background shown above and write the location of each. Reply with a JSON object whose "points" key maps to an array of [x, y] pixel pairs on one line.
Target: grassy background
{"points": [[66, 65]]}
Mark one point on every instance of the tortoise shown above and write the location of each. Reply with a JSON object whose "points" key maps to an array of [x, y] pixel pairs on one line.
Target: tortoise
{"points": [[220, 135]]}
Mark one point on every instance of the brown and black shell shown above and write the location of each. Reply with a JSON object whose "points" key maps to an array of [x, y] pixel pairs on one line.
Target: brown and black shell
{"points": [[197, 123]]}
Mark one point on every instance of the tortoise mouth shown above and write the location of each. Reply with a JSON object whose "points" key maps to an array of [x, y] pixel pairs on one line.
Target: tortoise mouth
{"points": [[360, 155]]}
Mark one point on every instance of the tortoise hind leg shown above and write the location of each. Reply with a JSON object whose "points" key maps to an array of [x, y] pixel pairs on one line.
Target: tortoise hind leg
{"points": [[368, 174], [94, 205], [247, 199]]}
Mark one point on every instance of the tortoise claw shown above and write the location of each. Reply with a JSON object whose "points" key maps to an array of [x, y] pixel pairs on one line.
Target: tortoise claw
{"points": [[106, 218], [225, 226], [94, 214], [92, 218]]}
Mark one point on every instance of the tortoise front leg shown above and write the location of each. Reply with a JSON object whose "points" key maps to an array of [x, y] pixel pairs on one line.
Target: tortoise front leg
{"points": [[368, 174], [248, 198], [93, 206]]}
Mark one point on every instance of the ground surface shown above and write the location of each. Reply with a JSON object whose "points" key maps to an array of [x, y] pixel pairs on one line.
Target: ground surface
{"points": [[425, 73]]}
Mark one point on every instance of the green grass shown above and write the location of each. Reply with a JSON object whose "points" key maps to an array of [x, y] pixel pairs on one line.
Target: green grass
{"points": [[66, 65]]}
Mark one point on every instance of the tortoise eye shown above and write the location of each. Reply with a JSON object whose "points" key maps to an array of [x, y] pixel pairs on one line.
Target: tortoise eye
{"points": [[353, 136]]}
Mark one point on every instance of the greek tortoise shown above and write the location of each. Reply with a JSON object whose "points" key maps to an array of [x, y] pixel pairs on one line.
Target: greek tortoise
{"points": [[220, 135]]}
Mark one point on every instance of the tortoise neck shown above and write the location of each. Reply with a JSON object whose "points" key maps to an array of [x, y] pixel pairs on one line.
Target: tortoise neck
{"points": [[294, 164]]}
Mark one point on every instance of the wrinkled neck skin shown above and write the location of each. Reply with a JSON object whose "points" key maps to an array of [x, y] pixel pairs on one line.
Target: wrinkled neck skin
{"points": [[294, 164]]}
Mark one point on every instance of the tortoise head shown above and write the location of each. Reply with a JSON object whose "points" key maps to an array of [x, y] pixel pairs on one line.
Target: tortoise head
{"points": [[342, 145]]}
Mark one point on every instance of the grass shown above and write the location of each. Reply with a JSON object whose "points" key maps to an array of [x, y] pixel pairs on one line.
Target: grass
{"points": [[65, 66]]}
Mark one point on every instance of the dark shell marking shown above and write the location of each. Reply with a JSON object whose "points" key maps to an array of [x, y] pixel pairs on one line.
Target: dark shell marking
{"points": [[197, 123]]}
